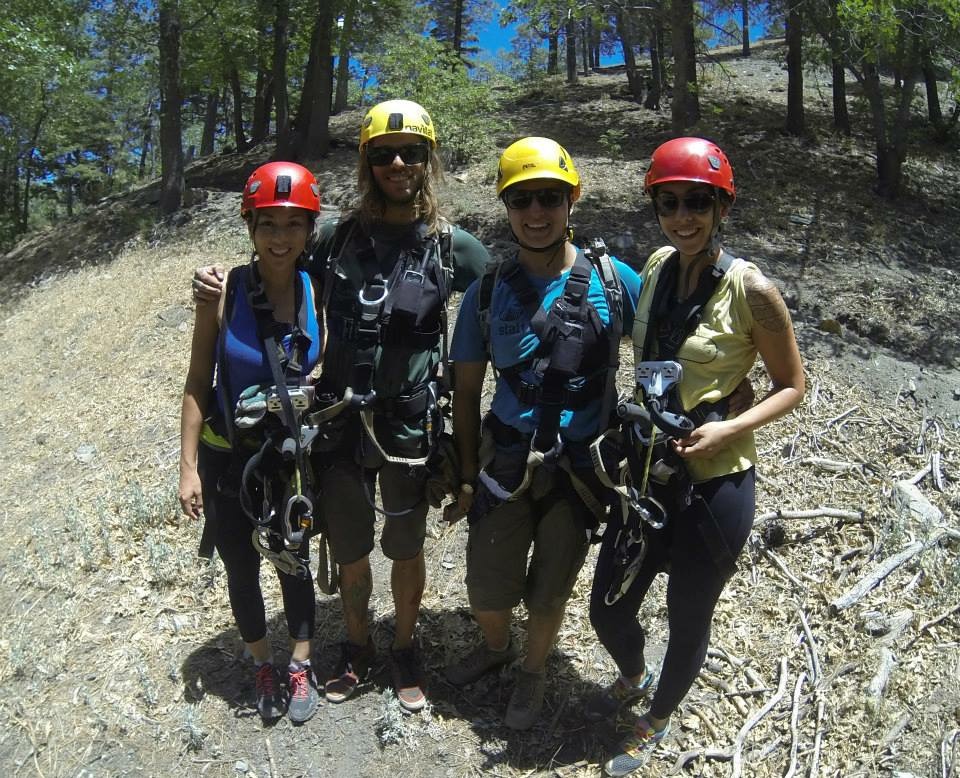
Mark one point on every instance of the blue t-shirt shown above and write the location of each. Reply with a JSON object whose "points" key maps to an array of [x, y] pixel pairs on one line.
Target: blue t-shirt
{"points": [[512, 340]]}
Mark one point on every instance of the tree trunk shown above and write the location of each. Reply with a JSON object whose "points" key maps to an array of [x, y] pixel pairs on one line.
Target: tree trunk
{"points": [[891, 150], [312, 130], [634, 81], [262, 103], [280, 41], [655, 87], [24, 216], [685, 108], [146, 140], [745, 26], [237, 89], [553, 54], [571, 47], [209, 124], [841, 116], [934, 112], [343, 57], [585, 47], [457, 27], [171, 140], [263, 88], [796, 124]]}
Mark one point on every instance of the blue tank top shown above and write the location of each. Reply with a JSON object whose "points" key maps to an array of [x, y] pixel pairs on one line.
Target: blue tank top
{"points": [[245, 360]]}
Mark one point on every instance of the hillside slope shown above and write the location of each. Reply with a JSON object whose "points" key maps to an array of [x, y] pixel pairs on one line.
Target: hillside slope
{"points": [[118, 656]]}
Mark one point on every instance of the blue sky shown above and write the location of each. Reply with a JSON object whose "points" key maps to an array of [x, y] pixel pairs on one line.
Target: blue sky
{"points": [[493, 38]]}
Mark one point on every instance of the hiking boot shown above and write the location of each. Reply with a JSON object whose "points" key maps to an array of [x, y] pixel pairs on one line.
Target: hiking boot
{"points": [[478, 663], [405, 669], [352, 670], [619, 695], [636, 749], [270, 702], [304, 697], [526, 700]]}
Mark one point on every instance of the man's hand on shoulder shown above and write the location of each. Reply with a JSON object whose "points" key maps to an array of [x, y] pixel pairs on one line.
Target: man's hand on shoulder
{"points": [[208, 283]]}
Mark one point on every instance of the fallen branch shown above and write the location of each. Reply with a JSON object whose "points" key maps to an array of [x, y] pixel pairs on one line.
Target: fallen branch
{"points": [[274, 773], [699, 753], [878, 683], [794, 733], [781, 565], [948, 756], [815, 672], [817, 737], [937, 471], [813, 513], [932, 623], [755, 719], [903, 720], [728, 691], [830, 465], [870, 581], [705, 720]]}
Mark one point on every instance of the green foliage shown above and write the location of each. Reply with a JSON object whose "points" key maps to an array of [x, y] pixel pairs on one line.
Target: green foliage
{"points": [[611, 141], [423, 69]]}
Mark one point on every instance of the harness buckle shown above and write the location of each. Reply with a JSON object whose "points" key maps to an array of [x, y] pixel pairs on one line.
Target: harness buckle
{"points": [[382, 293], [301, 398], [412, 276]]}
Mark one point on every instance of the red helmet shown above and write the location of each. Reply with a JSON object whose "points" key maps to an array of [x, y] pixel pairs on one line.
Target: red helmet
{"points": [[690, 159], [283, 184]]}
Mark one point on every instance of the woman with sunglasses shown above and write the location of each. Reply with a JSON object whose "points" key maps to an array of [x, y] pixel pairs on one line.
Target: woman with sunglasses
{"points": [[690, 183], [525, 494]]}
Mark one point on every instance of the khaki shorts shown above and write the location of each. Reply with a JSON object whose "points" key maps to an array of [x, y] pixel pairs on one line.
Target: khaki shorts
{"points": [[350, 519], [546, 517]]}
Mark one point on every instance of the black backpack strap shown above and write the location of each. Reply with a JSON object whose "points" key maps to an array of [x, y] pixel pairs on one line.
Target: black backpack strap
{"points": [[613, 291], [671, 324]]}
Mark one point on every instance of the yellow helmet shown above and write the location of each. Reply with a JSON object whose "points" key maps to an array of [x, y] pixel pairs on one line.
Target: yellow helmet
{"points": [[530, 159], [397, 116]]}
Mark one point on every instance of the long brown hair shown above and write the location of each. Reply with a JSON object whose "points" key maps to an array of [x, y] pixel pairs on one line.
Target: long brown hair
{"points": [[372, 204]]}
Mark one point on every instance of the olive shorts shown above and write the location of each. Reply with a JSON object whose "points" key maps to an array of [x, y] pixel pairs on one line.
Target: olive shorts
{"points": [[345, 504], [548, 518]]}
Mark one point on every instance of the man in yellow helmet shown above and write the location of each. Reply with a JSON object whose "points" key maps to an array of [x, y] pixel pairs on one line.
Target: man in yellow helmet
{"points": [[387, 269], [549, 319]]}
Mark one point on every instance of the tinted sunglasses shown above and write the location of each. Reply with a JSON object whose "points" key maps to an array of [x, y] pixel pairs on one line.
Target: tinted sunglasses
{"points": [[518, 199], [414, 154], [667, 203]]}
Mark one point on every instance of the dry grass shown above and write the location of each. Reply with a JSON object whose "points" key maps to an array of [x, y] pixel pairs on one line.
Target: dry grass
{"points": [[119, 655]]}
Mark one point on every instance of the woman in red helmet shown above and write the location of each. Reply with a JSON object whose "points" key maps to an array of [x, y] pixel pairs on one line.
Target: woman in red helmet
{"points": [[280, 204], [712, 314]]}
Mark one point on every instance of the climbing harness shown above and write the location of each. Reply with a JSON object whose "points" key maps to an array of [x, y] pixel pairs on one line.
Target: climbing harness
{"points": [[649, 426], [570, 331]]}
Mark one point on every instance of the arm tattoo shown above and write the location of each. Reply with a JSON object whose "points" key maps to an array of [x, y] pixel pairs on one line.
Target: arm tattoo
{"points": [[765, 303]]}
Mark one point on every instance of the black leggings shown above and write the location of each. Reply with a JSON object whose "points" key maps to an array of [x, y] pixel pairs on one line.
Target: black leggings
{"points": [[242, 561], [694, 586]]}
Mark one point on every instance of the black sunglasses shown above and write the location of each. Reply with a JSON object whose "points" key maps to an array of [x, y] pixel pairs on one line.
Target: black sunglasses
{"points": [[414, 154], [667, 203], [518, 199]]}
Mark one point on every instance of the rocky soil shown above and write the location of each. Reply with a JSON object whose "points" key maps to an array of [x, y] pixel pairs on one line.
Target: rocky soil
{"points": [[118, 656]]}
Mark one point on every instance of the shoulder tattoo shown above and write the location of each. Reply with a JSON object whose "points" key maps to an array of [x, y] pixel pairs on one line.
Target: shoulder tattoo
{"points": [[765, 303]]}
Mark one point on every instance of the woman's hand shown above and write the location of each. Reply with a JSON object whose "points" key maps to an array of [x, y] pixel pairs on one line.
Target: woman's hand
{"points": [[208, 283], [455, 511], [705, 441], [741, 399], [191, 495]]}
